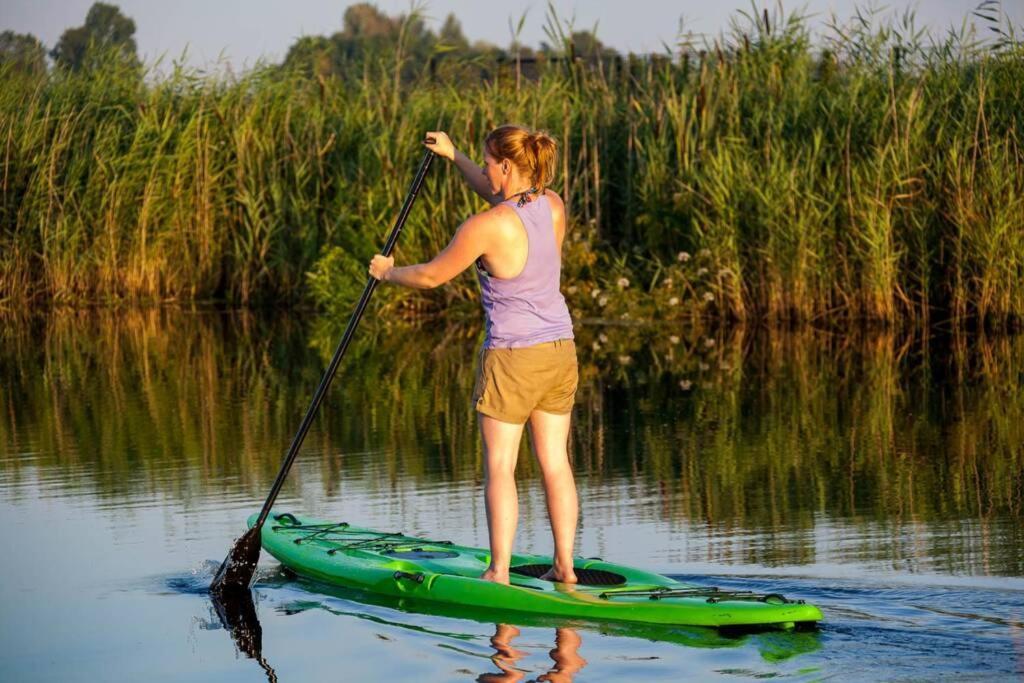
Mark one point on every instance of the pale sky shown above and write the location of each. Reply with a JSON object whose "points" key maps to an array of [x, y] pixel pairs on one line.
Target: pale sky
{"points": [[243, 30]]}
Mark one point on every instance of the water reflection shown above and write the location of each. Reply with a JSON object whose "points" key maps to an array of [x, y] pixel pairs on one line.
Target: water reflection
{"points": [[565, 655], [518, 644], [766, 448], [237, 615]]}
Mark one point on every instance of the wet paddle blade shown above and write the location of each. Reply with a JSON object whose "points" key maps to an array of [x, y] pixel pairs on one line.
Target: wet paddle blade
{"points": [[236, 572]]}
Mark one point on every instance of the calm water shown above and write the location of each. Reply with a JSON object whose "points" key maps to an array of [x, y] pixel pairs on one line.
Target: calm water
{"points": [[880, 477]]}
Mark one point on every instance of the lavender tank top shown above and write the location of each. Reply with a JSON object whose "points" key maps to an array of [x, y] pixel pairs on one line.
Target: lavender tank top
{"points": [[528, 309]]}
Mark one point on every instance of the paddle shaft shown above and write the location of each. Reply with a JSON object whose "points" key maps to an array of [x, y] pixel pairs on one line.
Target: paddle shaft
{"points": [[325, 382]]}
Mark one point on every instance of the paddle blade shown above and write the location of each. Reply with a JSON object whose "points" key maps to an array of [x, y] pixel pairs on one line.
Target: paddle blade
{"points": [[236, 572]]}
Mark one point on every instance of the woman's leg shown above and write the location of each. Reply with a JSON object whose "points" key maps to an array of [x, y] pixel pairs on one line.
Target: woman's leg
{"points": [[549, 433], [501, 449]]}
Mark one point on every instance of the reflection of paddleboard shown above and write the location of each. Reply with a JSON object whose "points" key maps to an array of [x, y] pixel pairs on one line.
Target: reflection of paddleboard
{"points": [[773, 644], [439, 571]]}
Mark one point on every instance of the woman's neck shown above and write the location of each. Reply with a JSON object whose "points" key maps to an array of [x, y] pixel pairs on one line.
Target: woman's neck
{"points": [[526, 190], [516, 185]]}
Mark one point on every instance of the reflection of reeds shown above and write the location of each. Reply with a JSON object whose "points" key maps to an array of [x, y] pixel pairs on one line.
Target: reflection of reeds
{"points": [[778, 429], [879, 179]]}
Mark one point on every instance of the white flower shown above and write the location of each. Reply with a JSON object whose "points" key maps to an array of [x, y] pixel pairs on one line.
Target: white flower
{"points": [[594, 293], [674, 301], [596, 346], [571, 289], [709, 297], [603, 337], [603, 301], [622, 283], [709, 342], [682, 257], [673, 339], [625, 360], [668, 282], [685, 384], [702, 271]]}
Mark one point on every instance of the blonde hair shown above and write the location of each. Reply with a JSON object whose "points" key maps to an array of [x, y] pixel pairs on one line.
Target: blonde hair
{"points": [[533, 152]]}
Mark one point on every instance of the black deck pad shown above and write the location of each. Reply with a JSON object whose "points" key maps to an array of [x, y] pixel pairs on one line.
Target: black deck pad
{"points": [[584, 577]]}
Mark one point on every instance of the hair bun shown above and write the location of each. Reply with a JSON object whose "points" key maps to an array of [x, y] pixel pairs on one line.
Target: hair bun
{"points": [[534, 152]]}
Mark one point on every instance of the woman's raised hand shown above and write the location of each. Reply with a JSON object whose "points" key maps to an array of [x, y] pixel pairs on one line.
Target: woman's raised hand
{"points": [[380, 266], [442, 145]]}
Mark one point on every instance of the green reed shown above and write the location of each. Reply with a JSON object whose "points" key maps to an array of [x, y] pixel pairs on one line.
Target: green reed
{"points": [[880, 178]]}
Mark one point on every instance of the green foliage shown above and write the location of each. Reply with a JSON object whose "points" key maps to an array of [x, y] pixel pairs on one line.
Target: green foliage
{"points": [[878, 180], [22, 52], [105, 31], [451, 36], [369, 35]]}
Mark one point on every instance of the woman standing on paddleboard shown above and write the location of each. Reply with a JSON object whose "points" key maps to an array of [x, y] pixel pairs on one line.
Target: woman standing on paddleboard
{"points": [[527, 370]]}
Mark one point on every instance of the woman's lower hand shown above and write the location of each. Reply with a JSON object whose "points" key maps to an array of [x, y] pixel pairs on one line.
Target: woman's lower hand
{"points": [[441, 146], [380, 266]]}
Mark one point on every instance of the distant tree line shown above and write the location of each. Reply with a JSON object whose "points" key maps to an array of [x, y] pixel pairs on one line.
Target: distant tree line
{"points": [[366, 32], [106, 31]]}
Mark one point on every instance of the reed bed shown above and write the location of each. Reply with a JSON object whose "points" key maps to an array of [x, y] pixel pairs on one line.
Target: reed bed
{"points": [[876, 176]]}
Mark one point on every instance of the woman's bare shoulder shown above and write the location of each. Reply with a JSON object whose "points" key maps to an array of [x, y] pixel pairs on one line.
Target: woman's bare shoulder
{"points": [[557, 205], [555, 199], [498, 215], [557, 210], [489, 225]]}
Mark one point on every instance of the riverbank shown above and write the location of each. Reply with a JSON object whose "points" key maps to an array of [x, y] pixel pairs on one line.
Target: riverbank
{"points": [[880, 179]]}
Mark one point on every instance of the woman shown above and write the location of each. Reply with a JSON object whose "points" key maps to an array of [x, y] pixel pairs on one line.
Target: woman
{"points": [[527, 367]]}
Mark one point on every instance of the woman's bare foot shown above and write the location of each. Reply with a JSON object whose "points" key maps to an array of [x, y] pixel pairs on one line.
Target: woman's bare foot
{"points": [[495, 576], [560, 574]]}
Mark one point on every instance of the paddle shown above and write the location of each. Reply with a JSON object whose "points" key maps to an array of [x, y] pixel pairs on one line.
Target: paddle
{"points": [[236, 572]]}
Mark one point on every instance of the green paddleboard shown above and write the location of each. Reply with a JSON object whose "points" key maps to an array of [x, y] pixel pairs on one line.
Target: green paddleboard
{"points": [[397, 565]]}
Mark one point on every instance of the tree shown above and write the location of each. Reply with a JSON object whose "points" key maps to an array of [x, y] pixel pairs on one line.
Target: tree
{"points": [[106, 30], [586, 45], [367, 30], [313, 56], [451, 35], [23, 51], [368, 33]]}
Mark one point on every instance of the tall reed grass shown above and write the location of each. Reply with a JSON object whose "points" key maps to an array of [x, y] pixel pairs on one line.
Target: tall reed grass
{"points": [[877, 176]]}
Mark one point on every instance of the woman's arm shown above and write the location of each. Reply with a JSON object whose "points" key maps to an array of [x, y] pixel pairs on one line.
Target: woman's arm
{"points": [[474, 177], [471, 173], [468, 244]]}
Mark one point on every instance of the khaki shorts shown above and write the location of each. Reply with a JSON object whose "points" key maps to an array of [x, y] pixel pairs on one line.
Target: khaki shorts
{"points": [[512, 383]]}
